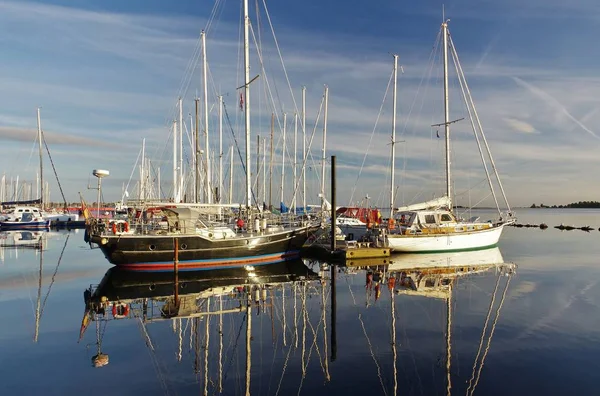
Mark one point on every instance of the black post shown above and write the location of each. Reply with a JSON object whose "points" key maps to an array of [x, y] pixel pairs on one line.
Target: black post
{"points": [[333, 266], [333, 214], [333, 314]]}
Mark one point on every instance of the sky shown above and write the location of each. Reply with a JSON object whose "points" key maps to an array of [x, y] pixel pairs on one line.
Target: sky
{"points": [[108, 74]]}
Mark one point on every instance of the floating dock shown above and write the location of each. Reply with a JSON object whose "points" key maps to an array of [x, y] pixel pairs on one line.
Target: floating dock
{"points": [[347, 251]]}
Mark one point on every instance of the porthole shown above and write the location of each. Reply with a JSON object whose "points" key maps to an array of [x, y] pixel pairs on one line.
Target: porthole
{"points": [[152, 287], [152, 247], [183, 246]]}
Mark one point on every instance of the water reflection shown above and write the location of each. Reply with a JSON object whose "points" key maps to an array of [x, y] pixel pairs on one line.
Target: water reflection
{"points": [[291, 302], [13, 241], [435, 276]]}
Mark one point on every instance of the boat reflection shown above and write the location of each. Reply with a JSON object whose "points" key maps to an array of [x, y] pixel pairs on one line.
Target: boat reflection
{"points": [[191, 298], [17, 240], [291, 298], [436, 276]]}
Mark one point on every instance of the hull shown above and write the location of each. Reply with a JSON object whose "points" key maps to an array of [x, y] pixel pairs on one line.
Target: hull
{"points": [[196, 252], [32, 225], [451, 242], [123, 285]]}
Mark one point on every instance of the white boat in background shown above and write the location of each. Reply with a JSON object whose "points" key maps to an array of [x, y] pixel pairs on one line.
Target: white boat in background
{"points": [[24, 218], [433, 226]]}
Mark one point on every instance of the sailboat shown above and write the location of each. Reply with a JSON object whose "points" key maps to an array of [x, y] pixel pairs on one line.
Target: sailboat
{"points": [[433, 226], [200, 243], [30, 214]]}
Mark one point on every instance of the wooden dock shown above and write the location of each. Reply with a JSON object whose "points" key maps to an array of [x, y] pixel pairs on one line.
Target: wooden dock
{"points": [[345, 252]]}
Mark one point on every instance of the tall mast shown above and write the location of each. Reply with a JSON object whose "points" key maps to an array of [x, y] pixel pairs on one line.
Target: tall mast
{"points": [[175, 185], [447, 112], [39, 124], [205, 94], [283, 158], [220, 148], [271, 162], [142, 190], [393, 176], [197, 154], [258, 166], [304, 149], [295, 160], [247, 102], [324, 146], [264, 162], [180, 170], [231, 174]]}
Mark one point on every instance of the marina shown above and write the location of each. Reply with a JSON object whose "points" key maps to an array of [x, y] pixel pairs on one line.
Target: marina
{"points": [[255, 198]]}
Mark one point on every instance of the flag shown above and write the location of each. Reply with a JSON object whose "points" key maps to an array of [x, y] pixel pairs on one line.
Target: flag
{"points": [[241, 101], [438, 134], [85, 211]]}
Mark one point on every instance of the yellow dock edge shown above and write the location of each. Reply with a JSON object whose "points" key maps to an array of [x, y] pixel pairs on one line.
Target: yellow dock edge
{"points": [[366, 252]]}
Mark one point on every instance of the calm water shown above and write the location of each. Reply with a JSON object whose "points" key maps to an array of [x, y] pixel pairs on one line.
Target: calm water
{"points": [[541, 335]]}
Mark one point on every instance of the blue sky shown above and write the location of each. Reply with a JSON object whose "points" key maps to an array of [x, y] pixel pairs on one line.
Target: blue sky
{"points": [[107, 74]]}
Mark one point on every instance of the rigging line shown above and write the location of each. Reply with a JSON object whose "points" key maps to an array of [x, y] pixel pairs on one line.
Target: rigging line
{"points": [[287, 79], [412, 355], [234, 351], [368, 339], [487, 347], [387, 89], [267, 85], [493, 164], [426, 75], [483, 331], [463, 83], [55, 173], [54, 275], [285, 364], [241, 157], [154, 360], [309, 152]]}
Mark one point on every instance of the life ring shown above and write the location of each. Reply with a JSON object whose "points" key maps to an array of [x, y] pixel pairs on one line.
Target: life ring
{"points": [[123, 227], [120, 310]]}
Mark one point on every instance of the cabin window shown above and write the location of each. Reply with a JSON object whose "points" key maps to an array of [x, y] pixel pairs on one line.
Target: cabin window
{"points": [[430, 219], [20, 210], [446, 217]]}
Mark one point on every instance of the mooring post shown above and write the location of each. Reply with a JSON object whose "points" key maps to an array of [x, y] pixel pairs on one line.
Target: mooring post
{"points": [[333, 214], [333, 266]]}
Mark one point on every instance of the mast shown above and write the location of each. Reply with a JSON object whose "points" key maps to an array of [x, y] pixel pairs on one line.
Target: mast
{"points": [[258, 166], [271, 162], [264, 162], [283, 158], [142, 171], [230, 174], [196, 154], [304, 149], [247, 103], [39, 125], [180, 171], [394, 103], [175, 188], [220, 148], [248, 334], [205, 95], [39, 294], [324, 146], [447, 113], [295, 160]]}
